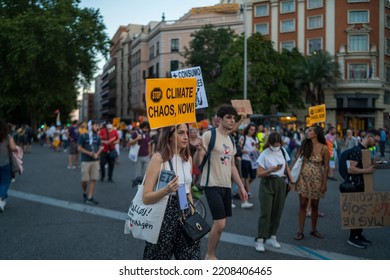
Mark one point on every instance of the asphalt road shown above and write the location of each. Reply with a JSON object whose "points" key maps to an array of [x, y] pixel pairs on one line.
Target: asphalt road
{"points": [[46, 219]]}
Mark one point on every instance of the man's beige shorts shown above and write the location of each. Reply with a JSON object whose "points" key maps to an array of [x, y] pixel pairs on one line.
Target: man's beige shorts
{"points": [[90, 170]]}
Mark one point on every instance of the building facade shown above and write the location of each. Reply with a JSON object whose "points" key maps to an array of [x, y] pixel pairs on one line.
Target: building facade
{"points": [[356, 33]]}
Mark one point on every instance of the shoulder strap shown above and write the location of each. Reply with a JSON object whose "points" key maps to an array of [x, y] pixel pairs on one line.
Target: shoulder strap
{"points": [[211, 146], [283, 152]]}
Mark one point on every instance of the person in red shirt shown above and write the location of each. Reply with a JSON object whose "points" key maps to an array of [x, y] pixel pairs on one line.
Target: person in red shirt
{"points": [[109, 137]]}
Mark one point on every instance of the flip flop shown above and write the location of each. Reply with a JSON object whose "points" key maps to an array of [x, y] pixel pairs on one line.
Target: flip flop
{"points": [[316, 234], [299, 236]]}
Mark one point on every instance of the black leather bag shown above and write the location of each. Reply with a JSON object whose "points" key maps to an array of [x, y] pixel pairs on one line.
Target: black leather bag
{"points": [[347, 186], [113, 153], [194, 227]]}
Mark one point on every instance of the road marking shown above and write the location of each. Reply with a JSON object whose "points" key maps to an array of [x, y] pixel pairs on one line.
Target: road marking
{"points": [[288, 249]]}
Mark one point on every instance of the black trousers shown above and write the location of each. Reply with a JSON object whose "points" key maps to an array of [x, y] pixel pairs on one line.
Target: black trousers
{"points": [[105, 158]]}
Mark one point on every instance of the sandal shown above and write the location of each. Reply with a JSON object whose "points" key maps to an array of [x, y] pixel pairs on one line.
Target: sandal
{"points": [[299, 236], [316, 234]]}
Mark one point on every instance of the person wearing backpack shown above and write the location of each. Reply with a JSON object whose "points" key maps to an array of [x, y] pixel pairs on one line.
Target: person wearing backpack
{"points": [[351, 168], [218, 173]]}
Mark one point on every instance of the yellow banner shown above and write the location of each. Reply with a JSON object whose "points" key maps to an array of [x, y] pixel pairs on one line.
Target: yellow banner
{"points": [[170, 101], [317, 114]]}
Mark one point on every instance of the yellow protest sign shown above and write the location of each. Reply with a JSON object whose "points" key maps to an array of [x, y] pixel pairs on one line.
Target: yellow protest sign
{"points": [[317, 114], [115, 122], [170, 101]]}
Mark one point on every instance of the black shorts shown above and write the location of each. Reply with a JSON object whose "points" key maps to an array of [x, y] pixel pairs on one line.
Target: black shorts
{"points": [[247, 171], [220, 202]]}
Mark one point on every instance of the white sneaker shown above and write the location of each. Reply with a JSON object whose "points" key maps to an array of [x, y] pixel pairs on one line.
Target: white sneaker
{"points": [[246, 204], [13, 180], [2, 205], [272, 242], [233, 206], [259, 245]]}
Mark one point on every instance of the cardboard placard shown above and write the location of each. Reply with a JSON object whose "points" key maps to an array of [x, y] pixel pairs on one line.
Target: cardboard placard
{"points": [[243, 106], [366, 209]]}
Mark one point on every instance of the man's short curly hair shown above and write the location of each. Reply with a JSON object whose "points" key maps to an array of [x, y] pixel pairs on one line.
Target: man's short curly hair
{"points": [[226, 109]]}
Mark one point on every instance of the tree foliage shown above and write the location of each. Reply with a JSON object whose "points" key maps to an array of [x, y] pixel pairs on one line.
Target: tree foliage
{"points": [[270, 85], [204, 51], [48, 48], [313, 72]]}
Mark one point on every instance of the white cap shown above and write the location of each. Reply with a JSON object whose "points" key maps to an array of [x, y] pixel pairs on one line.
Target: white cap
{"points": [[109, 126]]}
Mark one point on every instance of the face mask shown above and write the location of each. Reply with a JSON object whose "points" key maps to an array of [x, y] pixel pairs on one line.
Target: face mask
{"points": [[274, 149]]}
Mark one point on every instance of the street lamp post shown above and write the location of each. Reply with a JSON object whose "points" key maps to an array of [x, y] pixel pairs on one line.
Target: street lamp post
{"points": [[245, 54]]}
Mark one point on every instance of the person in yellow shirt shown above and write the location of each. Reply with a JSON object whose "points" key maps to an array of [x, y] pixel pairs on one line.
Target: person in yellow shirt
{"points": [[260, 137]]}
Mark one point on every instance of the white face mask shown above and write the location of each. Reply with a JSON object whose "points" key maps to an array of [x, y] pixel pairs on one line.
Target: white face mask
{"points": [[274, 149]]}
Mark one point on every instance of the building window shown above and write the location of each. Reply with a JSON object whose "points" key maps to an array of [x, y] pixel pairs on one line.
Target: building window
{"points": [[357, 1], [386, 97], [358, 17], [262, 28], [287, 6], [174, 65], [174, 45], [314, 4], [158, 48], [287, 26], [261, 11], [357, 71], [288, 45], [388, 74], [314, 45], [387, 46], [314, 22], [387, 21], [358, 42], [151, 52], [387, 3]]}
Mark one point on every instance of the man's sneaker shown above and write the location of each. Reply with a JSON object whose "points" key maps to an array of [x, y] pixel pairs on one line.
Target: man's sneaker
{"points": [[246, 204], [364, 240], [85, 197], [259, 245], [233, 205], [2, 205], [272, 242], [13, 180], [354, 241], [91, 201]]}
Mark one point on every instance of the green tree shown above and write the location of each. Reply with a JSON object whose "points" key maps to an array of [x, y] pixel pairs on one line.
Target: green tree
{"points": [[313, 72], [205, 51], [48, 49], [270, 85]]}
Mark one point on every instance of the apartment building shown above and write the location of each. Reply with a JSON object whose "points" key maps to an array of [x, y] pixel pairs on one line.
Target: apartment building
{"points": [[357, 33]]}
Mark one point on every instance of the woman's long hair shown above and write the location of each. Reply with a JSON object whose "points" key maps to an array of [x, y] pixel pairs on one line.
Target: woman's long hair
{"points": [[4, 130], [307, 144], [164, 144]]}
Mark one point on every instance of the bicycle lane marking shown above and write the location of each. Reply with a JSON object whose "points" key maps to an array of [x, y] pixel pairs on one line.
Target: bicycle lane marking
{"points": [[288, 249]]}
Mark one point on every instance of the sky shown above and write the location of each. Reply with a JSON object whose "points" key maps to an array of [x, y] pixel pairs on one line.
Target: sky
{"points": [[123, 12]]}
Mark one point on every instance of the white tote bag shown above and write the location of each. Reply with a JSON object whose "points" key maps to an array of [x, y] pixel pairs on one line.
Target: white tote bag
{"points": [[296, 169], [133, 153], [144, 221]]}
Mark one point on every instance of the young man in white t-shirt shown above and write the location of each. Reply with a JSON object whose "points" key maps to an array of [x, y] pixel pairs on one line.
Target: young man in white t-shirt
{"points": [[222, 171]]}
